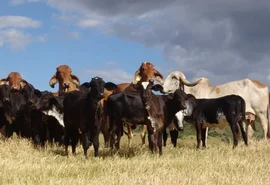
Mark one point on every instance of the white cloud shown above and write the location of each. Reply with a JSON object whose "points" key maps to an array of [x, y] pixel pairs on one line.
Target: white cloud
{"points": [[89, 23], [14, 39], [12, 34], [18, 22]]}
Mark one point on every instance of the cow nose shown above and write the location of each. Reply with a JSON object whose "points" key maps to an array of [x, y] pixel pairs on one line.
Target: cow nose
{"points": [[66, 84], [14, 87], [31, 101], [101, 95], [6, 100]]}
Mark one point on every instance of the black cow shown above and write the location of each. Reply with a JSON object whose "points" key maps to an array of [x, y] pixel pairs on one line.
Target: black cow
{"points": [[142, 108], [12, 102], [229, 108], [31, 96], [83, 114]]}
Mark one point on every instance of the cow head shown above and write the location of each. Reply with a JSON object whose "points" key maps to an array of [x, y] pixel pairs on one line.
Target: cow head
{"points": [[47, 100], [12, 101], [176, 80], [14, 80], [31, 94], [4, 93], [65, 78], [97, 85], [180, 97], [147, 72]]}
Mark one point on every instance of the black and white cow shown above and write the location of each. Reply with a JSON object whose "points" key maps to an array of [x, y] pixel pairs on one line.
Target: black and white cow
{"points": [[208, 112]]}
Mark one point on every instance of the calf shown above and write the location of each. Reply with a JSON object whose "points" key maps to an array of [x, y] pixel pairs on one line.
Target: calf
{"points": [[82, 115], [52, 109], [208, 112]]}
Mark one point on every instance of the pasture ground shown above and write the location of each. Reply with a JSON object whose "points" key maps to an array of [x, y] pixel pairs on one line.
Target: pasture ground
{"points": [[217, 164]]}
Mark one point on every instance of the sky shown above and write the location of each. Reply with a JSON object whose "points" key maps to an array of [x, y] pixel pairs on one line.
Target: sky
{"points": [[221, 40]]}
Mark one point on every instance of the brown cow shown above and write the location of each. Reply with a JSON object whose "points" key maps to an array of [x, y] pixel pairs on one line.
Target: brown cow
{"points": [[145, 73], [14, 80], [67, 81]]}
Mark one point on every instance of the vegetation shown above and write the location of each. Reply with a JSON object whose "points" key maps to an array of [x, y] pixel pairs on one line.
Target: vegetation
{"points": [[218, 164]]}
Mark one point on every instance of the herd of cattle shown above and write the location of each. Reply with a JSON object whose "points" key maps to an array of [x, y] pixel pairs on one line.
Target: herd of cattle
{"points": [[79, 112]]}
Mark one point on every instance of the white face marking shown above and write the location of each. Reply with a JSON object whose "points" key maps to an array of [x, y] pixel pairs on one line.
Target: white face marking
{"points": [[152, 123], [180, 116], [55, 113], [145, 84]]}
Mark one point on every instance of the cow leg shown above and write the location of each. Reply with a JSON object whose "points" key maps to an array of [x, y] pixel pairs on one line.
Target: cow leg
{"points": [[174, 136], [143, 133], [235, 130], [74, 140], [204, 137], [244, 134], [130, 134], [198, 126], [264, 123], [165, 137], [159, 142], [85, 143], [96, 143]]}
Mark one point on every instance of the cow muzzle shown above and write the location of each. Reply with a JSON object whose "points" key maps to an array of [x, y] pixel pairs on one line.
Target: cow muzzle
{"points": [[100, 95]]}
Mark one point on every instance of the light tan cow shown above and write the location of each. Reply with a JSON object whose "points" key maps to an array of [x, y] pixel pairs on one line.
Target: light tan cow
{"points": [[253, 92], [14, 80], [67, 81]]}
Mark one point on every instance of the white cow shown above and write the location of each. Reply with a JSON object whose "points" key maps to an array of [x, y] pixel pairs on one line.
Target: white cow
{"points": [[253, 92]]}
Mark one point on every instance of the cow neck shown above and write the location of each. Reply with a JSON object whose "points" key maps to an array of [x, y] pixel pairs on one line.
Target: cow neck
{"points": [[148, 109]]}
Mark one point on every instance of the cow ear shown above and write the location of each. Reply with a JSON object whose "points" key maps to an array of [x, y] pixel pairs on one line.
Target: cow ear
{"points": [[37, 93], [58, 101], [75, 80], [86, 84], [3, 81], [137, 77], [24, 82], [157, 87], [110, 86], [158, 76], [53, 81]]}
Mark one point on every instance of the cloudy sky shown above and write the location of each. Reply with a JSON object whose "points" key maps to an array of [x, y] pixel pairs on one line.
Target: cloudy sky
{"points": [[222, 40]]}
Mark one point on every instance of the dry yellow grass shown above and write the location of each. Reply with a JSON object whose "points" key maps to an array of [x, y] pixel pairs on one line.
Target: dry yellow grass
{"points": [[218, 164]]}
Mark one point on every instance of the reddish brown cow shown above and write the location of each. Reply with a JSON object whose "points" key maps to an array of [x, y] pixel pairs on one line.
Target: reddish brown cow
{"points": [[145, 73], [14, 80], [67, 81]]}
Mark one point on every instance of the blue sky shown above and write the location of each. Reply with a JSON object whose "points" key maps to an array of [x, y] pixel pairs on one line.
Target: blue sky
{"points": [[111, 40]]}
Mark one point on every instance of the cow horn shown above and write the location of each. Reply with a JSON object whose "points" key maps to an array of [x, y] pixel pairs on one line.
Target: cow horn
{"points": [[190, 84]]}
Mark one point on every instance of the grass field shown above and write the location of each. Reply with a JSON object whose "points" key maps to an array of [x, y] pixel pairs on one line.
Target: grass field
{"points": [[218, 164]]}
